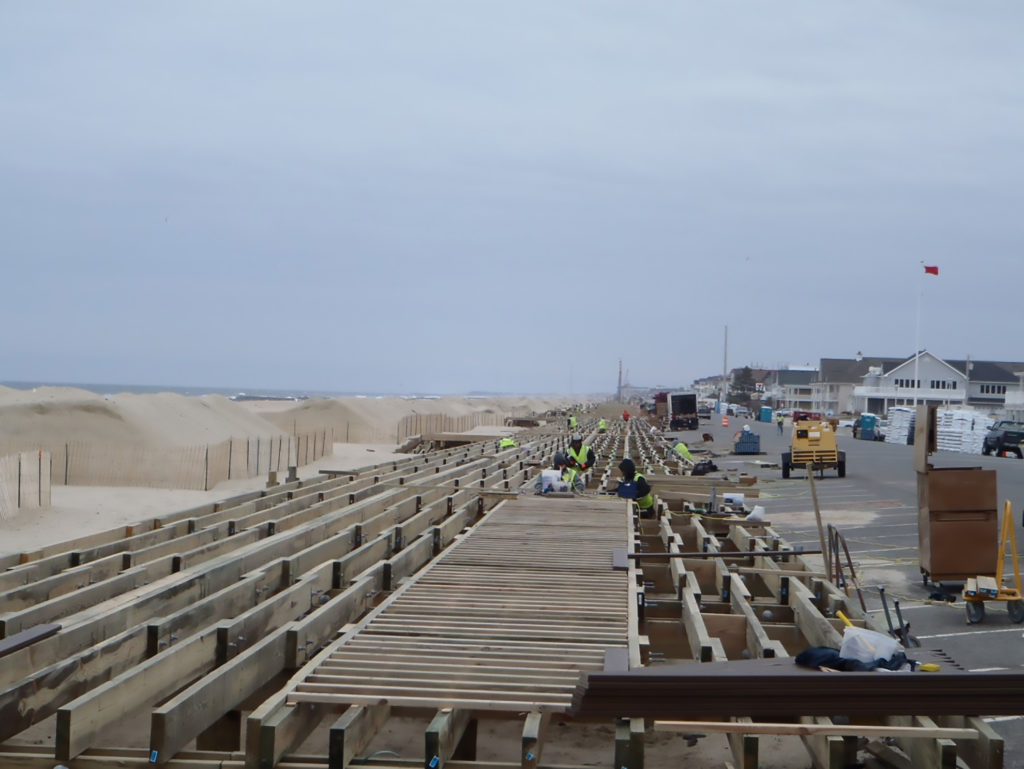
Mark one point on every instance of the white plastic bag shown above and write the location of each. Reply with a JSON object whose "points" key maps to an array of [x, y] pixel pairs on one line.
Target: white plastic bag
{"points": [[551, 480], [867, 645]]}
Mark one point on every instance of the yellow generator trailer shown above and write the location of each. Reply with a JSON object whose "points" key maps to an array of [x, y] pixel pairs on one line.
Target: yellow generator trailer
{"points": [[814, 444]]}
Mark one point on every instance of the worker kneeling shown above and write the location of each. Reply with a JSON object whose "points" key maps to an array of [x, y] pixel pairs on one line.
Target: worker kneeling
{"points": [[580, 458], [634, 486], [560, 478]]}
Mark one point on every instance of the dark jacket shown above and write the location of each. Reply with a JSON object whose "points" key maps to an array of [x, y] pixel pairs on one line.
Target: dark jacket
{"points": [[632, 486]]}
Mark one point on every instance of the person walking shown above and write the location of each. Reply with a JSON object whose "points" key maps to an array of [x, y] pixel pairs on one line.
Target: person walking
{"points": [[779, 420]]}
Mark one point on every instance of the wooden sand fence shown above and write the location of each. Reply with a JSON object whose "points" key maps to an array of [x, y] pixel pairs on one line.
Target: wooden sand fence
{"points": [[24, 482], [198, 467], [418, 424]]}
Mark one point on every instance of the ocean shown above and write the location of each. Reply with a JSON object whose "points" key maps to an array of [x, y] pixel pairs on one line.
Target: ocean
{"points": [[249, 393]]}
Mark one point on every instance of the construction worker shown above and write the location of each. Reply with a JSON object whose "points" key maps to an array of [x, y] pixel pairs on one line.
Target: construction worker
{"points": [[780, 419], [602, 426], [506, 443], [573, 424], [634, 486], [581, 458], [682, 450], [567, 474]]}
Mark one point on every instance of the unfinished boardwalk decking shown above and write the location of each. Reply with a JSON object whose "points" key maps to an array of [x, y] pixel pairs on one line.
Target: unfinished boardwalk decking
{"points": [[431, 605], [504, 620]]}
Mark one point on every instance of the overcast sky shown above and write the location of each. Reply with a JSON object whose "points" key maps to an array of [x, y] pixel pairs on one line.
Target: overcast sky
{"points": [[439, 196]]}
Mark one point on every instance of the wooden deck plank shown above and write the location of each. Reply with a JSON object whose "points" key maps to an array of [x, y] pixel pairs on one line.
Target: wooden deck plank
{"points": [[477, 597]]}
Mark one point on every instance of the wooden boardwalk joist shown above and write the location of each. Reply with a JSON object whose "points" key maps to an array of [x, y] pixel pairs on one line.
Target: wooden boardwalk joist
{"points": [[505, 620]]}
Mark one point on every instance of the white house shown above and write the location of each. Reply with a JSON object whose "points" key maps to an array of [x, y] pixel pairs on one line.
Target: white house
{"points": [[926, 378]]}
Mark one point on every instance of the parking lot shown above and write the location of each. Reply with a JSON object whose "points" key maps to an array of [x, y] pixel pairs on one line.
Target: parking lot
{"points": [[875, 509]]}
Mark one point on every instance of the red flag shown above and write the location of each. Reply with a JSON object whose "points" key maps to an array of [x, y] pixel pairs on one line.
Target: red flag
{"points": [[931, 270]]}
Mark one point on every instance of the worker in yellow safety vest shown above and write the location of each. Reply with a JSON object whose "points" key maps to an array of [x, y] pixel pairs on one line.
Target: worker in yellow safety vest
{"points": [[602, 426], [568, 474], [573, 424], [581, 457], [507, 443], [634, 486], [681, 449]]}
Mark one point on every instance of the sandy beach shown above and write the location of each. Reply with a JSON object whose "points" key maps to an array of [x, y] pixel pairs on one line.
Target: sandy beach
{"points": [[50, 417]]}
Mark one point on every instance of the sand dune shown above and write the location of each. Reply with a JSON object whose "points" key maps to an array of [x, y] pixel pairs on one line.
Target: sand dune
{"points": [[380, 416], [52, 416], [49, 417]]}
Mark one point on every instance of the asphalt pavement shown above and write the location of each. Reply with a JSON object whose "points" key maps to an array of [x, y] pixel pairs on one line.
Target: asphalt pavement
{"points": [[875, 509]]}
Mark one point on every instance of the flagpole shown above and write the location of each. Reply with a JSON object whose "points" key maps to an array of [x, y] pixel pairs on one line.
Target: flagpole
{"points": [[928, 270], [917, 339]]}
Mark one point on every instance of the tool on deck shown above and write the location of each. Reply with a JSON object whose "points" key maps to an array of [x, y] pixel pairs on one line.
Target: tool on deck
{"points": [[885, 606], [978, 590], [901, 631], [904, 634]]}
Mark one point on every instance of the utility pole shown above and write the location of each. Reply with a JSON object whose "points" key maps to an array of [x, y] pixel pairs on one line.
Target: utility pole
{"points": [[618, 390], [725, 365]]}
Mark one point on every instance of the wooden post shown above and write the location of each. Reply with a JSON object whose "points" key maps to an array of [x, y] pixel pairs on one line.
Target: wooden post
{"points": [[817, 511]]}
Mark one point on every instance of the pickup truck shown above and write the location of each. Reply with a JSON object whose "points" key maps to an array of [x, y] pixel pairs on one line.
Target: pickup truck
{"points": [[1004, 436]]}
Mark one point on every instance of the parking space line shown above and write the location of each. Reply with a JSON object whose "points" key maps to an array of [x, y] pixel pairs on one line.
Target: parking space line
{"points": [[970, 633]]}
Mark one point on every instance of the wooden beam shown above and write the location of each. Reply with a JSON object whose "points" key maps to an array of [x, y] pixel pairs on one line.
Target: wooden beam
{"points": [[353, 731], [829, 751], [40, 693], [27, 637], [700, 640], [285, 730], [744, 746], [80, 722], [717, 554], [443, 736], [629, 743], [986, 752], [51, 609], [188, 713], [230, 601], [939, 751], [224, 735], [930, 731], [758, 642], [816, 629], [780, 572], [67, 581], [305, 637], [533, 739]]}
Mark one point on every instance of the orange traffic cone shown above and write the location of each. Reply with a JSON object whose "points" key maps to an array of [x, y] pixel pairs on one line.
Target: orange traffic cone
{"points": [[725, 420]]}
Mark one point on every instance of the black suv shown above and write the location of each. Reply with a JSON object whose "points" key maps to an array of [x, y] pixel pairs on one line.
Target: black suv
{"points": [[1004, 436]]}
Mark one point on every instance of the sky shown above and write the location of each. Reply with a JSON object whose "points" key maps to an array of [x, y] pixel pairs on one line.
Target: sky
{"points": [[451, 196]]}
